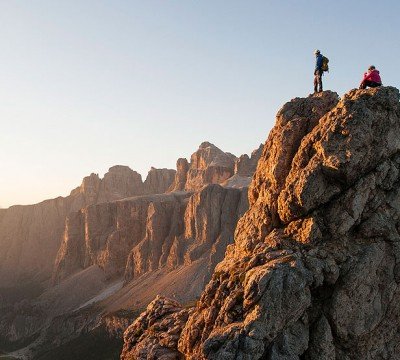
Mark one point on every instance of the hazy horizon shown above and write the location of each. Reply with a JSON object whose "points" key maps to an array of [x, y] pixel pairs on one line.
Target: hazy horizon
{"points": [[101, 175], [93, 84]]}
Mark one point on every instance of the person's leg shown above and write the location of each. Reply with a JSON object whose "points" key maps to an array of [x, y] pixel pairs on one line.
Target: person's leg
{"points": [[363, 85], [315, 81], [320, 80], [374, 84]]}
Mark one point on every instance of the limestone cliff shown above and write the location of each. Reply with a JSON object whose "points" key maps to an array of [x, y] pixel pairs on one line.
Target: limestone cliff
{"points": [[314, 271], [30, 235], [182, 168], [158, 180], [208, 165], [246, 165], [145, 233], [115, 236], [119, 182], [104, 234]]}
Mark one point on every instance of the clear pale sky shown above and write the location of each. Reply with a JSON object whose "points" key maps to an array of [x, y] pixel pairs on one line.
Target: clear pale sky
{"points": [[85, 85]]}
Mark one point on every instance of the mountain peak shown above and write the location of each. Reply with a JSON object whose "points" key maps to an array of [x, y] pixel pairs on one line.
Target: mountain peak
{"points": [[206, 144]]}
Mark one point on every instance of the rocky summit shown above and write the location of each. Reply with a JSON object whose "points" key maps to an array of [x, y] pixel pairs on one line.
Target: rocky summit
{"points": [[314, 272]]}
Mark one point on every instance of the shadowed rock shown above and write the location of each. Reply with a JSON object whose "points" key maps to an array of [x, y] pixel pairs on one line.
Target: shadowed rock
{"points": [[155, 334], [30, 235]]}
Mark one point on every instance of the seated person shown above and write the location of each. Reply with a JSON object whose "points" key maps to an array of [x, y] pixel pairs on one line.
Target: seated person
{"points": [[371, 78]]}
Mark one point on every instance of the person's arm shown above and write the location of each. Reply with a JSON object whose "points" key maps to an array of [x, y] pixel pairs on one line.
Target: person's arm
{"points": [[318, 62], [363, 79], [367, 75]]}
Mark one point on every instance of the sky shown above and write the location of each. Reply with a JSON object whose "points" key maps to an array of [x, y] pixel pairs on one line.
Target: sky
{"points": [[85, 85]]}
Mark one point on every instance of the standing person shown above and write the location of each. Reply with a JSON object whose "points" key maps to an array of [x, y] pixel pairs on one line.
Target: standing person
{"points": [[371, 78], [318, 71]]}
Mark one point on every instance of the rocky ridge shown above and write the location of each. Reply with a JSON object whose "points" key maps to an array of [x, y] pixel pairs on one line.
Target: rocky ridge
{"points": [[210, 165], [30, 235], [116, 230], [133, 236], [146, 233], [314, 271]]}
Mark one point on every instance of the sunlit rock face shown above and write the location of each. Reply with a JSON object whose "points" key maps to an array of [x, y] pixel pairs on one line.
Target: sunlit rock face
{"points": [[158, 180], [104, 234], [106, 242], [182, 168], [133, 236], [313, 273], [30, 235], [208, 165]]}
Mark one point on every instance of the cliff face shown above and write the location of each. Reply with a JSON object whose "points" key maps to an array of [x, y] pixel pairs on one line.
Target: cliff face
{"points": [[182, 168], [112, 232], [208, 165], [246, 165], [119, 182], [317, 251], [30, 235], [314, 271], [104, 234], [158, 180], [142, 234]]}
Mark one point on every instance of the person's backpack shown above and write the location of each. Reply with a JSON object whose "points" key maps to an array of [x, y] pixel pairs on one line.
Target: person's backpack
{"points": [[325, 62]]}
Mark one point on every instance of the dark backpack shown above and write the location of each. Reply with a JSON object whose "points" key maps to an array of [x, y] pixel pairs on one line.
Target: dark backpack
{"points": [[325, 62]]}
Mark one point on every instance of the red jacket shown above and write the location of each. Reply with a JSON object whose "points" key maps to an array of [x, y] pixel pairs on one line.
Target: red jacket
{"points": [[373, 76]]}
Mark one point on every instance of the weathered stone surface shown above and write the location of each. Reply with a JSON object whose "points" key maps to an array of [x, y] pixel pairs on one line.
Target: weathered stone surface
{"points": [[245, 165], [315, 255], [139, 239], [104, 234], [314, 270], [154, 335], [296, 119], [209, 165], [163, 223], [141, 234], [118, 183], [30, 235], [210, 221], [158, 181], [182, 168]]}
